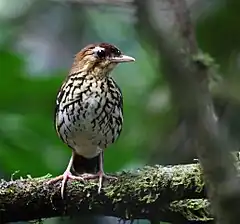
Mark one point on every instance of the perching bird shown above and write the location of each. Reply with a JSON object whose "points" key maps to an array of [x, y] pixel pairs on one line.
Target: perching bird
{"points": [[89, 111]]}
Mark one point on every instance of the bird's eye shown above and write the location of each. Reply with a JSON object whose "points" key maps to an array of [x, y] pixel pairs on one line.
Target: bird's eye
{"points": [[101, 53], [116, 52]]}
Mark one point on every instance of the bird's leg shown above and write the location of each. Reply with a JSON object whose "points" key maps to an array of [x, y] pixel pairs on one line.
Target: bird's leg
{"points": [[100, 174], [65, 176]]}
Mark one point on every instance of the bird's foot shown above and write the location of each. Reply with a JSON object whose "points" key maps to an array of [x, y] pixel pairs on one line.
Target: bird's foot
{"points": [[85, 176], [100, 175], [64, 177]]}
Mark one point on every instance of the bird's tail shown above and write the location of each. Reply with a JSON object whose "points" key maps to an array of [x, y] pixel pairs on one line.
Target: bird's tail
{"points": [[85, 165]]}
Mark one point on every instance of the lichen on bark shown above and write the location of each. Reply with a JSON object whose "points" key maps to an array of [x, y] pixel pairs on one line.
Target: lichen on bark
{"points": [[144, 193]]}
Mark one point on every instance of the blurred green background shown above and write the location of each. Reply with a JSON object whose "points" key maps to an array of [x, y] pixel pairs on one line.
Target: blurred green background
{"points": [[38, 40]]}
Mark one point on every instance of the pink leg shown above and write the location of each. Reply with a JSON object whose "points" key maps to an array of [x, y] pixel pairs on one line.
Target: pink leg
{"points": [[100, 174], [65, 176], [86, 176]]}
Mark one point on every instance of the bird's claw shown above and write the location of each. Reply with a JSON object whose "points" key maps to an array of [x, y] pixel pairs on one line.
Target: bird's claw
{"points": [[85, 176], [100, 175], [64, 177]]}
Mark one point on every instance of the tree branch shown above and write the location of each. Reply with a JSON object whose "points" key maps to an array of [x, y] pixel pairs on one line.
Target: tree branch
{"points": [[147, 193]]}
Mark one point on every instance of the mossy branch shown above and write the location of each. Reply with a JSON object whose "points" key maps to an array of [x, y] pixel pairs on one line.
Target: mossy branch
{"points": [[151, 192]]}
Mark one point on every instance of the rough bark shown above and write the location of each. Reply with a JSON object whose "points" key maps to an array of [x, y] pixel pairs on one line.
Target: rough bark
{"points": [[151, 192]]}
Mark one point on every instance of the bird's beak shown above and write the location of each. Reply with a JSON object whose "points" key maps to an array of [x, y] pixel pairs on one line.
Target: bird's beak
{"points": [[122, 58]]}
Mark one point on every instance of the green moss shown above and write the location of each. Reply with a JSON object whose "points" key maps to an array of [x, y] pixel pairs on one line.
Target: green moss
{"points": [[193, 209], [133, 195]]}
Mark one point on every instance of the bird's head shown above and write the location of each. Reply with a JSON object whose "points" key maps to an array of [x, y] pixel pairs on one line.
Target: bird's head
{"points": [[99, 59]]}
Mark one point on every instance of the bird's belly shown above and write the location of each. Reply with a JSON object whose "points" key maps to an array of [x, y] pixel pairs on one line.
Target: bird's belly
{"points": [[83, 145], [88, 126]]}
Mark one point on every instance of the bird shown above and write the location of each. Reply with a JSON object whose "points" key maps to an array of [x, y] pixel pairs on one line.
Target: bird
{"points": [[89, 112]]}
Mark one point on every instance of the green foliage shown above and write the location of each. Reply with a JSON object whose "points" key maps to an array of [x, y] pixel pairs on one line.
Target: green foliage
{"points": [[218, 33], [26, 113]]}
